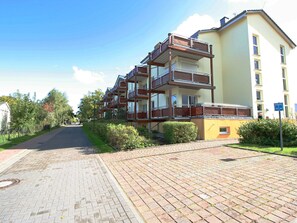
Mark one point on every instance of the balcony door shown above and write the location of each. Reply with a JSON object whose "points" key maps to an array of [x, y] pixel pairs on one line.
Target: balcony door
{"points": [[189, 100]]}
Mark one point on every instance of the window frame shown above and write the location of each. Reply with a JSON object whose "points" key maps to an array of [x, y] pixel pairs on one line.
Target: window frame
{"points": [[226, 132], [256, 45], [283, 54]]}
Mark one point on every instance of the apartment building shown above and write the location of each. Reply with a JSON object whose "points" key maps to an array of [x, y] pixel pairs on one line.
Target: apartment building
{"points": [[217, 78], [251, 62]]}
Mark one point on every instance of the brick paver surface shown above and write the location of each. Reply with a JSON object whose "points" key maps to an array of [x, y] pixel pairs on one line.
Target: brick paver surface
{"points": [[186, 183], [62, 181]]}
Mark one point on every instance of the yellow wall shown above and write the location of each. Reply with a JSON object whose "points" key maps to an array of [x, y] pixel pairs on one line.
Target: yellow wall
{"points": [[208, 129]]}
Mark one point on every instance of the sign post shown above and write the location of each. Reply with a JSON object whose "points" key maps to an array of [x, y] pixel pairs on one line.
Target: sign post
{"points": [[280, 107]]}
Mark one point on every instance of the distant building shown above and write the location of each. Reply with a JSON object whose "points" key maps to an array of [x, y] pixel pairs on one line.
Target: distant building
{"points": [[4, 116]]}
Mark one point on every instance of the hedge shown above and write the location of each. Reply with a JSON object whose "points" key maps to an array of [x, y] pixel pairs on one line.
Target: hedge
{"points": [[126, 137], [266, 133], [119, 136], [179, 132]]}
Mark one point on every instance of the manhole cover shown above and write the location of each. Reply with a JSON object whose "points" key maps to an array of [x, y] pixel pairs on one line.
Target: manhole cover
{"points": [[228, 160], [8, 183]]}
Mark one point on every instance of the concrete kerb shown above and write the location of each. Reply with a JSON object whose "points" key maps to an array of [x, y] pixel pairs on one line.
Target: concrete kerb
{"points": [[122, 193], [9, 162]]}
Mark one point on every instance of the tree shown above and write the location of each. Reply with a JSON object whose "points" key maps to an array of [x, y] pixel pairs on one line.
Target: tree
{"points": [[57, 108], [25, 112], [89, 105]]}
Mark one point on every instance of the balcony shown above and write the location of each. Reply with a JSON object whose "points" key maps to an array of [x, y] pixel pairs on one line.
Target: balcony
{"points": [[181, 46], [140, 115], [202, 110], [120, 102], [139, 94], [120, 88], [139, 72], [183, 78]]}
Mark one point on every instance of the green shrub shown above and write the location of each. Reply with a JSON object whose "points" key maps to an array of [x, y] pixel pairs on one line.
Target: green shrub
{"points": [[125, 137], [266, 132], [143, 131], [179, 132]]}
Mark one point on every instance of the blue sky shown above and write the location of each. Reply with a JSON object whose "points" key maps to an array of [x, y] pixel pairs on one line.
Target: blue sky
{"points": [[80, 46]]}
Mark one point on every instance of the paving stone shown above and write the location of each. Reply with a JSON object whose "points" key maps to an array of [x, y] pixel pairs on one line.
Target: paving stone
{"points": [[62, 181], [195, 182]]}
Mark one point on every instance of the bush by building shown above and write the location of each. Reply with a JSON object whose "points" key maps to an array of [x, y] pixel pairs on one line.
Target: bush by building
{"points": [[179, 132], [266, 133]]}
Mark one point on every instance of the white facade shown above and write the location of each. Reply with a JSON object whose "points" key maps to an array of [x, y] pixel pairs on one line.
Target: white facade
{"points": [[4, 116], [248, 66]]}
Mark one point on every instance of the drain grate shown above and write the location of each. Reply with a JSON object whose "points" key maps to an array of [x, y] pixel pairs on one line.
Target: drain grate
{"points": [[8, 183], [173, 158]]}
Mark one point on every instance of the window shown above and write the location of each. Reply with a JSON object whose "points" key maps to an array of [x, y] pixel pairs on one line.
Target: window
{"points": [[153, 104], [144, 108], [224, 130], [188, 100], [259, 107], [285, 82], [258, 78], [286, 105], [257, 64], [259, 95], [282, 54], [255, 45], [260, 111]]}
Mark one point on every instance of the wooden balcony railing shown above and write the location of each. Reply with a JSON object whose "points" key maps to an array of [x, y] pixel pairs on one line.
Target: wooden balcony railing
{"points": [[140, 93], [182, 77], [202, 111], [120, 101], [136, 71], [122, 85], [179, 41], [140, 115]]}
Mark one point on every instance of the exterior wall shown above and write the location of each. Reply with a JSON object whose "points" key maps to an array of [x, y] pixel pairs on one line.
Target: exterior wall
{"points": [[4, 116], [236, 64], [271, 66], [213, 39], [209, 128]]}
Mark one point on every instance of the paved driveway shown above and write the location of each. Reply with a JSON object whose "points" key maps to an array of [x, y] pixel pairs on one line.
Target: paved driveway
{"points": [[61, 180], [206, 182]]}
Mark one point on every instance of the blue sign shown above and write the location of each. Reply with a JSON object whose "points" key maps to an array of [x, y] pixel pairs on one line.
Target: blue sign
{"points": [[278, 106], [295, 107]]}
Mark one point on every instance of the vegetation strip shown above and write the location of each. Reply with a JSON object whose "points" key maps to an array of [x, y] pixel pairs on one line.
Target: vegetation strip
{"points": [[287, 151], [98, 142]]}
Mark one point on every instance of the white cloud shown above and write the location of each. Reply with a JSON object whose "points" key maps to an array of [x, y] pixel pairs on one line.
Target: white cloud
{"points": [[86, 76], [194, 23]]}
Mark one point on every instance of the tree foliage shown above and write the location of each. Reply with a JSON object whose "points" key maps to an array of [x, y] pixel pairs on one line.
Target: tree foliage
{"points": [[31, 115], [88, 107], [57, 108]]}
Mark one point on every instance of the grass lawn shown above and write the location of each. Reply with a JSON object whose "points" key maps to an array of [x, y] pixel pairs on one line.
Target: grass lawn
{"points": [[289, 151], [101, 146], [5, 144]]}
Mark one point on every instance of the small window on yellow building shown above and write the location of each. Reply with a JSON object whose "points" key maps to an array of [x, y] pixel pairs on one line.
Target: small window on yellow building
{"points": [[224, 130]]}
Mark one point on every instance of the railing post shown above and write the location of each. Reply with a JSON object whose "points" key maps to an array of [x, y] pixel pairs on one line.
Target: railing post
{"points": [[192, 77]]}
